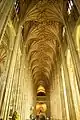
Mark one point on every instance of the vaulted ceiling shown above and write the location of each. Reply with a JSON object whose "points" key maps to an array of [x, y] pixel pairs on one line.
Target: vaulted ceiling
{"points": [[42, 21]]}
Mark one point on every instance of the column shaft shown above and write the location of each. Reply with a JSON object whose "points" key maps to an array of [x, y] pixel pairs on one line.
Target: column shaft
{"points": [[20, 91], [71, 109], [15, 84], [64, 115], [4, 78]]}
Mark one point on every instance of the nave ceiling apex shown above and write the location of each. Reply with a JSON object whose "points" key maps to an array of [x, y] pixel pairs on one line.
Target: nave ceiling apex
{"points": [[42, 40]]}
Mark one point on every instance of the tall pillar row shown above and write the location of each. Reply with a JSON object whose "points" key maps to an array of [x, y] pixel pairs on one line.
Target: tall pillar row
{"points": [[5, 10], [10, 75], [74, 54], [63, 94], [75, 81], [24, 88], [8, 60], [12, 101], [24, 94], [75, 60], [71, 109], [8, 54], [73, 84], [22, 99]]}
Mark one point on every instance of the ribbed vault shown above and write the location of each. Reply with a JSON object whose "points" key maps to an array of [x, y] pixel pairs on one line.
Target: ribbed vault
{"points": [[43, 19]]}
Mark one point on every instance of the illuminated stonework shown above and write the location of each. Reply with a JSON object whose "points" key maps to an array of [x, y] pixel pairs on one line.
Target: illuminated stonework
{"points": [[40, 59]]}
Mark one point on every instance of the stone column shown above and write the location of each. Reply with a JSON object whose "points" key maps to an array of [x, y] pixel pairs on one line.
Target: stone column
{"points": [[7, 62], [62, 95], [29, 89], [20, 85], [71, 109], [9, 78], [24, 88], [15, 84], [18, 89], [55, 99], [23, 101], [74, 54]]}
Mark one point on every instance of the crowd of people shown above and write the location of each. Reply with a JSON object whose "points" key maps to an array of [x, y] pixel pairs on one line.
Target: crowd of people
{"points": [[38, 117]]}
